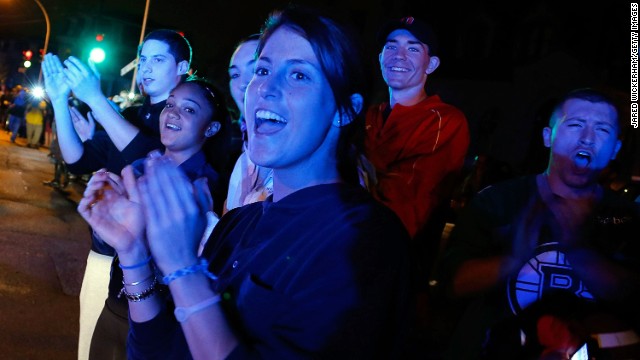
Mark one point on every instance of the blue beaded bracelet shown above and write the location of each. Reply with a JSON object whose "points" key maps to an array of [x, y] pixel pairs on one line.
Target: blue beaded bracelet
{"points": [[201, 266], [135, 266]]}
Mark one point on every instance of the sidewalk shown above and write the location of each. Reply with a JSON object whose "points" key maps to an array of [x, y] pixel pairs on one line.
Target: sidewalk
{"points": [[73, 192], [43, 249]]}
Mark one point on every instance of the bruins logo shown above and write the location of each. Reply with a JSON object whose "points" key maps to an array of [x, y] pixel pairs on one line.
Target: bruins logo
{"points": [[549, 270]]}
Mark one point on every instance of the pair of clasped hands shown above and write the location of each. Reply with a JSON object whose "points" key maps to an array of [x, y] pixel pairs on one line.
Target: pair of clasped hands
{"points": [[160, 213]]}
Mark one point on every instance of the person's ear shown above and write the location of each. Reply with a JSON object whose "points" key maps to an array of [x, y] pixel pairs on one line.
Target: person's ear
{"points": [[380, 58], [356, 102], [546, 136], [212, 129], [434, 62], [183, 67], [617, 148], [345, 119]]}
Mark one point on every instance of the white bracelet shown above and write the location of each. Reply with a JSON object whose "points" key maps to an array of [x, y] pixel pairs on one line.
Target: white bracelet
{"points": [[183, 313]]}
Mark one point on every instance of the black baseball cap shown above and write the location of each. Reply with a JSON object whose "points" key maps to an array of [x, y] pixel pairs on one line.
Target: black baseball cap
{"points": [[418, 28]]}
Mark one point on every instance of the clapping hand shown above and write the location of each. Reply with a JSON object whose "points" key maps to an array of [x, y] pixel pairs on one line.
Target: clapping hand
{"points": [[85, 127], [175, 213], [526, 235], [55, 82], [572, 220], [84, 81], [570, 216], [110, 205]]}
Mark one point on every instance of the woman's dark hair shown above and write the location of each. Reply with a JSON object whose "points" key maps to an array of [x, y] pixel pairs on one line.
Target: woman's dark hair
{"points": [[340, 57], [217, 147], [179, 46]]}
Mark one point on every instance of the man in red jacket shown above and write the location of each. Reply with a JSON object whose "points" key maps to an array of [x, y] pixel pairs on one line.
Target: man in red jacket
{"points": [[416, 142]]}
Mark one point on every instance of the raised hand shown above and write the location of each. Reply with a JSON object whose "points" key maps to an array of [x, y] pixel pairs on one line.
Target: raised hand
{"points": [[110, 205], [174, 214], [571, 216], [54, 79], [526, 232], [85, 128], [203, 194], [84, 80]]}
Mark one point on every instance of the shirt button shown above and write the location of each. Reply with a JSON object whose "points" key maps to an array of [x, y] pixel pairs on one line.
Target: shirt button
{"points": [[235, 264]]}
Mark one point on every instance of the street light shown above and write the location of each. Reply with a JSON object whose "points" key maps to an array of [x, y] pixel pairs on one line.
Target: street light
{"points": [[144, 26], [46, 39], [27, 58], [37, 92], [97, 55]]}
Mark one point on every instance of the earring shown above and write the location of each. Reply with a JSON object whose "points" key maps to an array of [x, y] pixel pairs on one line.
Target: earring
{"points": [[212, 130], [340, 122]]}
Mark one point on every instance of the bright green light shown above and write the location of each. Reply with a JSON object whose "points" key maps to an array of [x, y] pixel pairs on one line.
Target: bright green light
{"points": [[97, 55], [27, 63]]}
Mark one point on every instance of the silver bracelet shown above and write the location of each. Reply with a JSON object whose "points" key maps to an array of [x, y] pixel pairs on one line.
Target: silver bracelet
{"points": [[137, 282], [137, 297]]}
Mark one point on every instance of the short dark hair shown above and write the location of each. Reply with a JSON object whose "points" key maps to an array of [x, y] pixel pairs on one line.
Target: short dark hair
{"points": [[179, 46], [586, 94], [340, 57]]}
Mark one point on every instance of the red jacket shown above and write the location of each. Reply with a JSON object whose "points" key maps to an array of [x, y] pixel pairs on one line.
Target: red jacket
{"points": [[416, 151]]}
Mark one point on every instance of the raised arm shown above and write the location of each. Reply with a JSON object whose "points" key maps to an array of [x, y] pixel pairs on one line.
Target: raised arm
{"points": [[58, 91], [85, 83]]}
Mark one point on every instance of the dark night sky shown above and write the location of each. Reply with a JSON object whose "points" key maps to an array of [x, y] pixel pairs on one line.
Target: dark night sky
{"points": [[597, 34], [501, 63]]}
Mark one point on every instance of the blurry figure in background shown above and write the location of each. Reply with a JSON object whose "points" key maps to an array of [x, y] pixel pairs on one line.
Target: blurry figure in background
{"points": [[485, 170], [482, 169], [5, 101], [34, 117], [249, 182], [17, 111], [61, 176], [130, 106], [558, 238], [47, 135]]}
